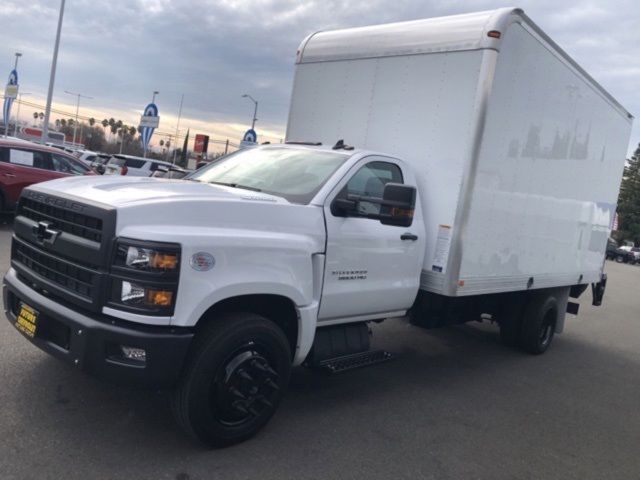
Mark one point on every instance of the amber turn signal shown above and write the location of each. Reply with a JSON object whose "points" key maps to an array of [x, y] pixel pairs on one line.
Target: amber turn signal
{"points": [[159, 298], [164, 261]]}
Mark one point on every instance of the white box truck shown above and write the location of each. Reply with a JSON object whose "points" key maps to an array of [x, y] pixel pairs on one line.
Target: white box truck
{"points": [[442, 169]]}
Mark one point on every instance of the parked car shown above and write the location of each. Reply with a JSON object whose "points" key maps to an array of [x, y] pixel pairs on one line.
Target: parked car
{"points": [[86, 156], [99, 163], [170, 172], [132, 166], [620, 254], [23, 164]]}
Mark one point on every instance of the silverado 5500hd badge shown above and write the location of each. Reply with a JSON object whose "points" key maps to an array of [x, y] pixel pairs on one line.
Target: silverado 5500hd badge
{"points": [[350, 274]]}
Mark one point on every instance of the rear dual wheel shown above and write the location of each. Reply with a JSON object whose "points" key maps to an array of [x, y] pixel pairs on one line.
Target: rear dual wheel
{"points": [[235, 377], [531, 326]]}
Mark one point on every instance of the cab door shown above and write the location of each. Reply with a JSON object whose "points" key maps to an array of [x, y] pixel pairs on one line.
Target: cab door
{"points": [[370, 268]]}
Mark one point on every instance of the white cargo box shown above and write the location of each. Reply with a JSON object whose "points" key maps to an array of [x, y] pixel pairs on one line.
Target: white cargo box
{"points": [[518, 151]]}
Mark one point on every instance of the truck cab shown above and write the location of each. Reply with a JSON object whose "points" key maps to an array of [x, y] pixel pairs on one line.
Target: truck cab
{"points": [[125, 277]]}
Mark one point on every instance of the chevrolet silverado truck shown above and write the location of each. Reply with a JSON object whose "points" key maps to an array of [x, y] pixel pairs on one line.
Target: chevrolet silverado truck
{"points": [[442, 170]]}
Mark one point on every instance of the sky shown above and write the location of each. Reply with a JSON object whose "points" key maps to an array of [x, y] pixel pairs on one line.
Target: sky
{"points": [[214, 51]]}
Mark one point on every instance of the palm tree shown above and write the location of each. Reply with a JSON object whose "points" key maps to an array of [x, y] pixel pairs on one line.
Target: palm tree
{"points": [[35, 115], [132, 131], [57, 123], [112, 122], [92, 121], [63, 122], [105, 122]]}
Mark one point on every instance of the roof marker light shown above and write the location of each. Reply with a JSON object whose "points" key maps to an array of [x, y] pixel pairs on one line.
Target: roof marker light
{"points": [[494, 34]]}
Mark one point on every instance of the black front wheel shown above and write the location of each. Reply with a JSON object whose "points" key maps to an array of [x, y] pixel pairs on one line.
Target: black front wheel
{"points": [[235, 377]]}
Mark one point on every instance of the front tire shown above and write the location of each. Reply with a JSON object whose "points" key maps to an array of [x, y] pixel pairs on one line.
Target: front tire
{"points": [[235, 377]]}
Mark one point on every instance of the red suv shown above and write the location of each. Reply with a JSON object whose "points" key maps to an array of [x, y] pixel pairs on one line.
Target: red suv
{"points": [[25, 163]]}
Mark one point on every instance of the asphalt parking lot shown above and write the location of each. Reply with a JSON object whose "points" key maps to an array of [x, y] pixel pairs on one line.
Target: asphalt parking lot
{"points": [[455, 404]]}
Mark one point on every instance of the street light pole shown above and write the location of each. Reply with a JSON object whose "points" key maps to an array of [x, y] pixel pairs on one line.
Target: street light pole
{"points": [[52, 77], [15, 132], [255, 109], [178, 128], [75, 125], [15, 65]]}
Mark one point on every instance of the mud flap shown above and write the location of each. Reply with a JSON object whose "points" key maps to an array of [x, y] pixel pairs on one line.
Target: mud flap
{"points": [[597, 289]]}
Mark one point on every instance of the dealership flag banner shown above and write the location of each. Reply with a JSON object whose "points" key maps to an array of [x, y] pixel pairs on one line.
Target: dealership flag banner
{"points": [[10, 94], [148, 123]]}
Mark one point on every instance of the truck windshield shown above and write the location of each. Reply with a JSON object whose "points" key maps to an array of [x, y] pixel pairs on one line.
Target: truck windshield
{"points": [[291, 173]]}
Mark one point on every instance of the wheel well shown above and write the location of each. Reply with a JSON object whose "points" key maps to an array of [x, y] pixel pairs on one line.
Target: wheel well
{"points": [[280, 310]]}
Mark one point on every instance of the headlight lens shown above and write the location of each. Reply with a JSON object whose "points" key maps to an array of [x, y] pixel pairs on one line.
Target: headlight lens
{"points": [[145, 277], [147, 259], [137, 295]]}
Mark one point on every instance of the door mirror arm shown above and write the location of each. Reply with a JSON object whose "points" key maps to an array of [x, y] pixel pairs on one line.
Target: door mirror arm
{"points": [[344, 207]]}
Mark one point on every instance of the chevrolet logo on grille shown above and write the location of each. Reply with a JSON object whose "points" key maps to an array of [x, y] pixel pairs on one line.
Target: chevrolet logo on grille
{"points": [[45, 235]]}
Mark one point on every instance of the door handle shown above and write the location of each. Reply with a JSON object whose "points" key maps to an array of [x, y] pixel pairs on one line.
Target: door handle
{"points": [[409, 236], [11, 175]]}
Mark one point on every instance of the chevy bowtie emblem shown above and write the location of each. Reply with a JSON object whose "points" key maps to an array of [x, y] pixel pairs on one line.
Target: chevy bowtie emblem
{"points": [[44, 234]]}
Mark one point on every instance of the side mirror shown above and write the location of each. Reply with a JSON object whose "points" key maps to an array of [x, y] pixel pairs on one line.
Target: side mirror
{"points": [[399, 200]]}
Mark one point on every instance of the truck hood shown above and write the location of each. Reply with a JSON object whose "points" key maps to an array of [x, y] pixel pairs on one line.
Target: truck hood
{"points": [[120, 191], [182, 210]]}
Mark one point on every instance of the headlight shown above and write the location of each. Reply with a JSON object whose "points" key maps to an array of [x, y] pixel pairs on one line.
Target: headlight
{"points": [[142, 296], [145, 277], [147, 258]]}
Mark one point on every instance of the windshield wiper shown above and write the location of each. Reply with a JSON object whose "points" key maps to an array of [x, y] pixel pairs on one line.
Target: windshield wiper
{"points": [[237, 185]]}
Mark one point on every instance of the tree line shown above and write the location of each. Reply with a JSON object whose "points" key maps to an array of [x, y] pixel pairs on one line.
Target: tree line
{"points": [[108, 136], [629, 201]]}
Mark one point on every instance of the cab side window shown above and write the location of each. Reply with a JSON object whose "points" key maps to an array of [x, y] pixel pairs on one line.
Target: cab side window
{"points": [[369, 181]]}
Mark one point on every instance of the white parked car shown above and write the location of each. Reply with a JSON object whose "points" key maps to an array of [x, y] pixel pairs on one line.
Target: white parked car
{"points": [[133, 166], [86, 156]]}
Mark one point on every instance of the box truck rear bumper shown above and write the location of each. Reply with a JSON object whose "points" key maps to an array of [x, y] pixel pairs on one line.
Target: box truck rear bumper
{"points": [[94, 344]]}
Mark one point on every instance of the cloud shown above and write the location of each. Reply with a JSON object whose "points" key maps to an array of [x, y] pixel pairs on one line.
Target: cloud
{"points": [[214, 51]]}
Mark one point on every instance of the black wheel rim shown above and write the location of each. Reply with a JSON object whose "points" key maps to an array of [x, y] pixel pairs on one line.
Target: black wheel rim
{"points": [[546, 330], [245, 386]]}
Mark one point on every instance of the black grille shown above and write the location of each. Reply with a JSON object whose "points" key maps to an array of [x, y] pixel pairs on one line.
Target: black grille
{"points": [[79, 224], [78, 280]]}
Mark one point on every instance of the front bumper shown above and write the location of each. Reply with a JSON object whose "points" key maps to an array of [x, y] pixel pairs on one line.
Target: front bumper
{"points": [[92, 343]]}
